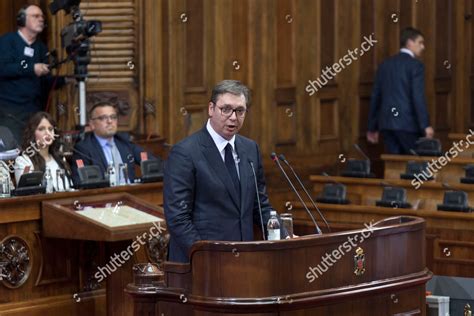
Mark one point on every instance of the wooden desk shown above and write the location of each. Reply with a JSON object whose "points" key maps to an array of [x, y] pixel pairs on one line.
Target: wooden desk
{"points": [[450, 235], [451, 173], [267, 278], [367, 191], [456, 137], [60, 267]]}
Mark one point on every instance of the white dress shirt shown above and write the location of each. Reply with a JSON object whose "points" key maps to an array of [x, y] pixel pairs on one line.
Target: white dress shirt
{"points": [[407, 51], [221, 142]]}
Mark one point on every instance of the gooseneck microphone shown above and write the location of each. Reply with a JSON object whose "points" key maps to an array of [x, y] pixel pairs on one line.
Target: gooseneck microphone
{"points": [[357, 147], [258, 198], [282, 158], [275, 159], [83, 155]]}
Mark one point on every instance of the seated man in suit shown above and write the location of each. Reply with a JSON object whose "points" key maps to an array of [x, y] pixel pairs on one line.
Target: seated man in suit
{"points": [[103, 145], [398, 106], [209, 188]]}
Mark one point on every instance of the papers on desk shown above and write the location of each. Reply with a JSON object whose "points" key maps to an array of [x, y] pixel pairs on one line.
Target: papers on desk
{"points": [[9, 154], [118, 215]]}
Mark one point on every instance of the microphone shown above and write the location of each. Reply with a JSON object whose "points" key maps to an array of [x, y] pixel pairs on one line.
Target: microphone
{"points": [[356, 146], [282, 158], [258, 197], [413, 152], [98, 163], [275, 159]]}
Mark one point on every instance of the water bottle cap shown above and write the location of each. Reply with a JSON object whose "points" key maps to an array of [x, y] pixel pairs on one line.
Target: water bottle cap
{"points": [[273, 213]]}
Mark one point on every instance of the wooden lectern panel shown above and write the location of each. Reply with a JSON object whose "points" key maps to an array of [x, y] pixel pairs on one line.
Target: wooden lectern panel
{"points": [[381, 271], [64, 219]]}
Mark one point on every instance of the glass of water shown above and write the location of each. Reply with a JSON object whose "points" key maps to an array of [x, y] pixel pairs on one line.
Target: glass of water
{"points": [[61, 180], [287, 221], [4, 187], [123, 174]]}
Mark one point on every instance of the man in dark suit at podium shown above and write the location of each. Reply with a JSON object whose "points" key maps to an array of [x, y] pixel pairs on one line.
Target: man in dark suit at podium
{"points": [[398, 106], [209, 188]]}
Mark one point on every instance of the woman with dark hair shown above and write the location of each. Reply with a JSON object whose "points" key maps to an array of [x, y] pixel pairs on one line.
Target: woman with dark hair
{"points": [[40, 150]]}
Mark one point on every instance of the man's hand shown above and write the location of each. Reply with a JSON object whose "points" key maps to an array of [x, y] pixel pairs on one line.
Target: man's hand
{"points": [[373, 137], [429, 132], [41, 69]]}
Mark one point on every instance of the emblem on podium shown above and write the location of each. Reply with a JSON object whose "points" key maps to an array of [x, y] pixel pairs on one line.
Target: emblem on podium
{"points": [[359, 262]]}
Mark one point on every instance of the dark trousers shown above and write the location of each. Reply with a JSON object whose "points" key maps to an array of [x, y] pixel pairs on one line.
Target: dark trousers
{"points": [[399, 142]]}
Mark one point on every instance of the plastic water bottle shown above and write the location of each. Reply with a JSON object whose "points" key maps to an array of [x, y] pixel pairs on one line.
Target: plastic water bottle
{"points": [[48, 181], [273, 227], [112, 175], [4, 186]]}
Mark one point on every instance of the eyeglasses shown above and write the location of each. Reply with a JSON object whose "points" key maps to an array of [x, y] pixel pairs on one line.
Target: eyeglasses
{"points": [[228, 111], [104, 118]]}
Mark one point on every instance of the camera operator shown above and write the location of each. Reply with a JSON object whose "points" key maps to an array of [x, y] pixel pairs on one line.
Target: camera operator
{"points": [[25, 79]]}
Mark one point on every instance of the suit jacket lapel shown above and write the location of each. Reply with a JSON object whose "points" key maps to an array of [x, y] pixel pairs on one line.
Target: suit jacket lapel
{"points": [[214, 159], [98, 148]]}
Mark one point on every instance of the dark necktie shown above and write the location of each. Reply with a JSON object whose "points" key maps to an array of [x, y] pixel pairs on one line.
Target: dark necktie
{"points": [[230, 164]]}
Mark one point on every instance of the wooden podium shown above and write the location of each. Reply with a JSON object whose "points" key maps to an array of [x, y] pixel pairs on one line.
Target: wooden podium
{"points": [[376, 271], [119, 220]]}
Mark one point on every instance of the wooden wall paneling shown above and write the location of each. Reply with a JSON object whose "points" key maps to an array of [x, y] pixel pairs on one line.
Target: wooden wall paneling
{"points": [[443, 59], [175, 41], [427, 24], [367, 66], [236, 62], [188, 70], [8, 11], [284, 104], [194, 51], [387, 19], [262, 80], [407, 16], [285, 119], [307, 44], [220, 23], [460, 43], [285, 43], [7, 16], [327, 112], [152, 67], [348, 28], [317, 71], [195, 89], [469, 40], [469, 58]]}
